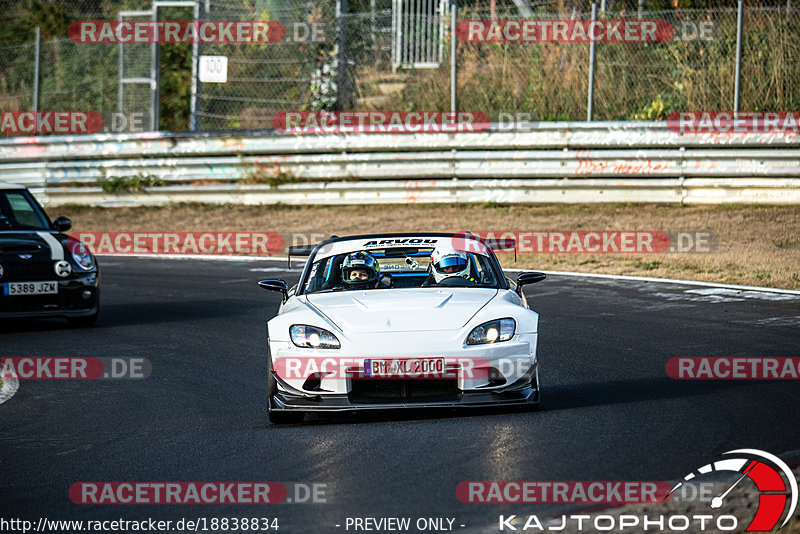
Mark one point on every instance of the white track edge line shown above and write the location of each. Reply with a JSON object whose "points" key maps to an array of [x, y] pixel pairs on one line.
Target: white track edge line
{"points": [[211, 257]]}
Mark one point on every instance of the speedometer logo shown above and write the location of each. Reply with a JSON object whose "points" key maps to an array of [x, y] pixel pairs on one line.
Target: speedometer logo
{"points": [[764, 470]]}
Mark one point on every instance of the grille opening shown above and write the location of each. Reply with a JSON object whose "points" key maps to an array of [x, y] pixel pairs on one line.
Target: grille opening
{"points": [[312, 383], [496, 378], [386, 391]]}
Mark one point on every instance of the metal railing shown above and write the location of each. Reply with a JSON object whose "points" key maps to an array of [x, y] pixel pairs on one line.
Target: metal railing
{"points": [[546, 162]]}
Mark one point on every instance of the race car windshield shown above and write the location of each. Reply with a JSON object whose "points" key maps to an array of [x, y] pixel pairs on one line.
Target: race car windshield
{"points": [[18, 211], [405, 268]]}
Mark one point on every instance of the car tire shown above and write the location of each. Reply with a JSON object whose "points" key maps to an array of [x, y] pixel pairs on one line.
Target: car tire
{"points": [[83, 322], [278, 417]]}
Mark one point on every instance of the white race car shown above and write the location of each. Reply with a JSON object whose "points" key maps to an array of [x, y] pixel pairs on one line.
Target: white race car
{"points": [[401, 321]]}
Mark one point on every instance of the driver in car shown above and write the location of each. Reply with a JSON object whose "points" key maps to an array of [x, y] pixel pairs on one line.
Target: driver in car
{"points": [[360, 270], [448, 263]]}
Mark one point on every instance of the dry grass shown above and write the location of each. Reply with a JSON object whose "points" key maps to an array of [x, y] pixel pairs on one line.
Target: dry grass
{"points": [[756, 245]]}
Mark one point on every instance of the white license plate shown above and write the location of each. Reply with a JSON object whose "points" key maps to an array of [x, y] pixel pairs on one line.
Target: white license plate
{"points": [[404, 368], [30, 288]]}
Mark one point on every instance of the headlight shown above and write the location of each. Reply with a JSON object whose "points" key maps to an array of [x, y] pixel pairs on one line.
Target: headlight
{"points": [[82, 257], [492, 332], [312, 337]]}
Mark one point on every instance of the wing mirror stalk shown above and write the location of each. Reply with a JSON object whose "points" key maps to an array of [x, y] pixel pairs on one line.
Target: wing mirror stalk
{"points": [[275, 285], [529, 278]]}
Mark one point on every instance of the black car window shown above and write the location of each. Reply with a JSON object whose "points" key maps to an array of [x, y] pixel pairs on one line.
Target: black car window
{"points": [[18, 211]]}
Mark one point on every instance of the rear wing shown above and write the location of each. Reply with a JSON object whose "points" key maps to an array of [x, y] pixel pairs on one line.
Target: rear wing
{"points": [[499, 244], [302, 250], [299, 250]]}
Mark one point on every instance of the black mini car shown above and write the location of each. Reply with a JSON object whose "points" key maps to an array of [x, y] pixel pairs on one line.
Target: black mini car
{"points": [[43, 272]]}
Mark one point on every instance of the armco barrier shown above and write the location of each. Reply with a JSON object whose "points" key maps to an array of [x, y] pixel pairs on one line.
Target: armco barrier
{"points": [[547, 162]]}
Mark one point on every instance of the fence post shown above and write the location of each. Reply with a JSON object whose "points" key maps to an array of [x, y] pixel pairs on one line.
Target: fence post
{"points": [[341, 55], [592, 58], [738, 75], [195, 89], [155, 82], [36, 62], [453, 66], [373, 25]]}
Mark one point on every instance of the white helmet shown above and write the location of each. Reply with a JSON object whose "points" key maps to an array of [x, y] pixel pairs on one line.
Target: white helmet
{"points": [[448, 262]]}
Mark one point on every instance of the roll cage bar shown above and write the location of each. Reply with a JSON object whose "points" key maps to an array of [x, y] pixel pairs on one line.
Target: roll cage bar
{"points": [[311, 250]]}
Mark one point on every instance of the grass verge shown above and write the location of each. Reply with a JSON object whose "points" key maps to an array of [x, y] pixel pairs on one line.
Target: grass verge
{"points": [[755, 245]]}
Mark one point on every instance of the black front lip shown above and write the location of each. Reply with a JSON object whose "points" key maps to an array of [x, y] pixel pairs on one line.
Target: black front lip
{"points": [[341, 403]]}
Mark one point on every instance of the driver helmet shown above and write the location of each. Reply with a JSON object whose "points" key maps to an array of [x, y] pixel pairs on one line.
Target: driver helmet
{"points": [[448, 262], [360, 270]]}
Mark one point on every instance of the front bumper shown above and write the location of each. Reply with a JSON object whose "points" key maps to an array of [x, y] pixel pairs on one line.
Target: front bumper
{"points": [[342, 403], [68, 302], [385, 394]]}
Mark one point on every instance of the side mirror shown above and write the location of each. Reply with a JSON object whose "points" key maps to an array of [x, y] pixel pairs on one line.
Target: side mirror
{"points": [[530, 278], [275, 285], [62, 224]]}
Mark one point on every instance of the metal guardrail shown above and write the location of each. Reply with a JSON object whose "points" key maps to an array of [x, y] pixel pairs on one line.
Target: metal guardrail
{"points": [[548, 162]]}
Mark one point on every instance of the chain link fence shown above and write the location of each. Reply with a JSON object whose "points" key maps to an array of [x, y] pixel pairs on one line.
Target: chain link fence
{"points": [[394, 55]]}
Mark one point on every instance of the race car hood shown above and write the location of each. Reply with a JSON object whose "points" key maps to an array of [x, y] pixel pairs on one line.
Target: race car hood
{"points": [[399, 310]]}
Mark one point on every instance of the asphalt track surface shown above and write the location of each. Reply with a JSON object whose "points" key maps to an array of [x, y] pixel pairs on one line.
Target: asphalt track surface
{"points": [[610, 412]]}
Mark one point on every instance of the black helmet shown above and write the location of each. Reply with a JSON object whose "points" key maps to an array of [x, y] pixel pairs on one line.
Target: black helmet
{"points": [[363, 261]]}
